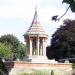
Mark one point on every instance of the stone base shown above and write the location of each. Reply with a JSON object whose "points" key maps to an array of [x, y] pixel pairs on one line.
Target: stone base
{"points": [[40, 59], [38, 63]]}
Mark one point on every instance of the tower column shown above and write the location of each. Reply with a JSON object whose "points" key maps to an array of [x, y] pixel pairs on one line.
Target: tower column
{"points": [[26, 47], [30, 46], [41, 50], [41, 47], [38, 45], [44, 47]]}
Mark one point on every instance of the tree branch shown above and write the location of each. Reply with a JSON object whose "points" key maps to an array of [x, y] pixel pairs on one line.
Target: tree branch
{"points": [[64, 13]]}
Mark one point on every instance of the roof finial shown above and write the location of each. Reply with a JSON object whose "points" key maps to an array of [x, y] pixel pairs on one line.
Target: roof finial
{"points": [[35, 7], [35, 15]]}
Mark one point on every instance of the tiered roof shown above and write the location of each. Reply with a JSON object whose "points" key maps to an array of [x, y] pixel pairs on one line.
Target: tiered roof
{"points": [[36, 28]]}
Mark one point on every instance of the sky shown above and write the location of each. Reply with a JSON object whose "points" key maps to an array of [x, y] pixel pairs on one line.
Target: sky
{"points": [[16, 16]]}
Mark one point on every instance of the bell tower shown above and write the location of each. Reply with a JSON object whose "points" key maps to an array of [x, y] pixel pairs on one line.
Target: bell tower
{"points": [[35, 38]]}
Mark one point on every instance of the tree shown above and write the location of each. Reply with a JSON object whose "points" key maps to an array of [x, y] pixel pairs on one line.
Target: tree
{"points": [[3, 69], [11, 40], [63, 41], [22, 51], [71, 4], [5, 51], [15, 45]]}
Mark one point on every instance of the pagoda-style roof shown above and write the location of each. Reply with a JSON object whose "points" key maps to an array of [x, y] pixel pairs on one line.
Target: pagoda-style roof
{"points": [[36, 28]]}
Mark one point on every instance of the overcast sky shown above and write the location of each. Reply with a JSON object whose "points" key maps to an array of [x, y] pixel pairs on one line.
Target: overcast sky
{"points": [[16, 16]]}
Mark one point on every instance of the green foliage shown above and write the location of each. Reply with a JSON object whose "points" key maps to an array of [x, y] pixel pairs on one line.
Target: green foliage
{"points": [[63, 41], [17, 48], [68, 1], [71, 4], [36, 73], [52, 73], [3, 69], [5, 51], [11, 40], [22, 51], [73, 65]]}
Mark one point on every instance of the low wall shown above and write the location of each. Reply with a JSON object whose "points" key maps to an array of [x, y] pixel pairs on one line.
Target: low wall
{"points": [[22, 64]]}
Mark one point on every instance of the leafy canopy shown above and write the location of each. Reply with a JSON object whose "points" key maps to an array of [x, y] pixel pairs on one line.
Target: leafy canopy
{"points": [[16, 47], [5, 51], [63, 41], [22, 51], [11, 40], [71, 4]]}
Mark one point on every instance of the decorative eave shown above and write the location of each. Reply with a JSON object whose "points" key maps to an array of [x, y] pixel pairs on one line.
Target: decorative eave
{"points": [[32, 35]]}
